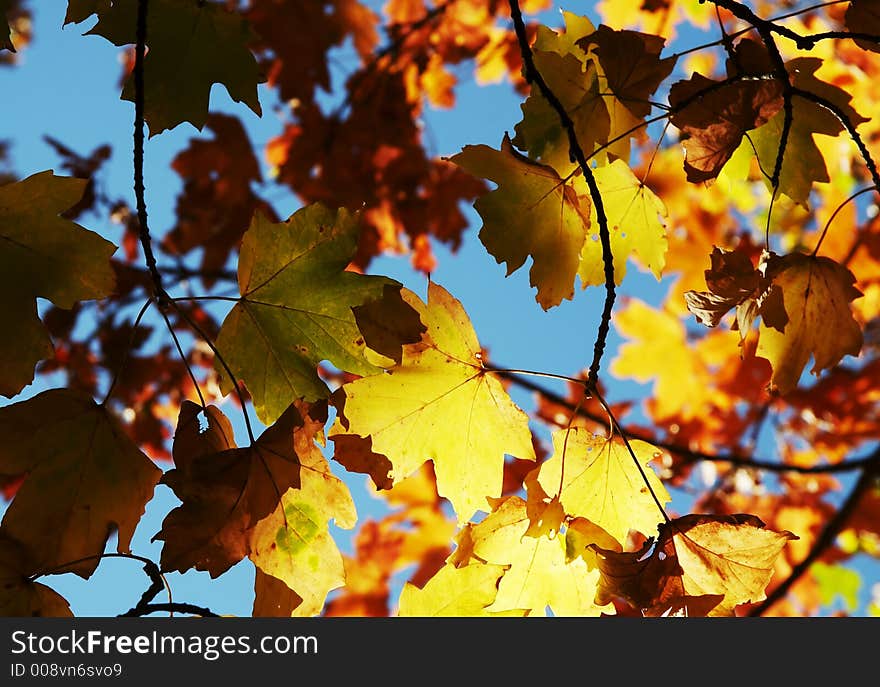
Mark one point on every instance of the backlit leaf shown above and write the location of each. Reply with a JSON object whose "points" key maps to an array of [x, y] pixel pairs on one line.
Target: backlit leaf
{"points": [[225, 490], [533, 213], [631, 63], [600, 481], [294, 544], [440, 383], [296, 309], [634, 221], [538, 576], [708, 564], [817, 293], [453, 592], [715, 117], [803, 163], [192, 46]]}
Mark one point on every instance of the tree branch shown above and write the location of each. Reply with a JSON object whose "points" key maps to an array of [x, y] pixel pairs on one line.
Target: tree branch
{"points": [[826, 538], [683, 451], [576, 153], [143, 227]]}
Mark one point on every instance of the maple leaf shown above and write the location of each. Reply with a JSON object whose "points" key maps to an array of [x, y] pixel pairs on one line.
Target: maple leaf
{"points": [[706, 564], [294, 544], [803, 163], [19, 596], [85, 478], [538, 575], [816, 293], [533, 212], [863, 16], [294, 38], [225, 490], [454, 592], [296, 309], [631, 64], [43, 256], [440, 383], [658, 350], [716, 121], [575, 83], [634, 215], [600, 481], [192, 45]]}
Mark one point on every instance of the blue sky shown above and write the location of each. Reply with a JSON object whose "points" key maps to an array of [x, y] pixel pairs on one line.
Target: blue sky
{"points": [[66, 86]]}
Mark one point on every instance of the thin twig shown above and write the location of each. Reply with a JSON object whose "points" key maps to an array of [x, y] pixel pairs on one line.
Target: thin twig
{"points": [[829, 533], [632, 453], [125, 357], [232, 378], [173, 607], [689, 454]]}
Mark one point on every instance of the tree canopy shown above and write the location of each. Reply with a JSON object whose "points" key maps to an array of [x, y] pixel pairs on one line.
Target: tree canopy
{"points": [[707, 168]]}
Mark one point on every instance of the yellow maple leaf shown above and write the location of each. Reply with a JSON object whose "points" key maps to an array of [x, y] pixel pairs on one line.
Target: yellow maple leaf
{"points": [[601, 482], [453, 592], [440, 404], [539, 574], [659, 350], [816, 292], [634, 221]]}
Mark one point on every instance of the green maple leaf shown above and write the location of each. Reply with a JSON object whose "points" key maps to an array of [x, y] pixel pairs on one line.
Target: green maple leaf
{"points": [[192, 45], [296, 309], [43, 255]]}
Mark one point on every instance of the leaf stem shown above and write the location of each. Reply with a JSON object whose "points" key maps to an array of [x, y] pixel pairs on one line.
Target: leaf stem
{"points": [[835, 213], [632, 453], [198, 330], [134, 329]]}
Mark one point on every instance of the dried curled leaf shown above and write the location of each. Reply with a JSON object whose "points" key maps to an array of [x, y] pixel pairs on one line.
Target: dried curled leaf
{"points": [[715, 116], [700, 564]]}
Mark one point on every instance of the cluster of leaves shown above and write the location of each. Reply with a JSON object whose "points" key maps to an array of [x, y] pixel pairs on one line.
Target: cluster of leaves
{"points": [[485, 517]]}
